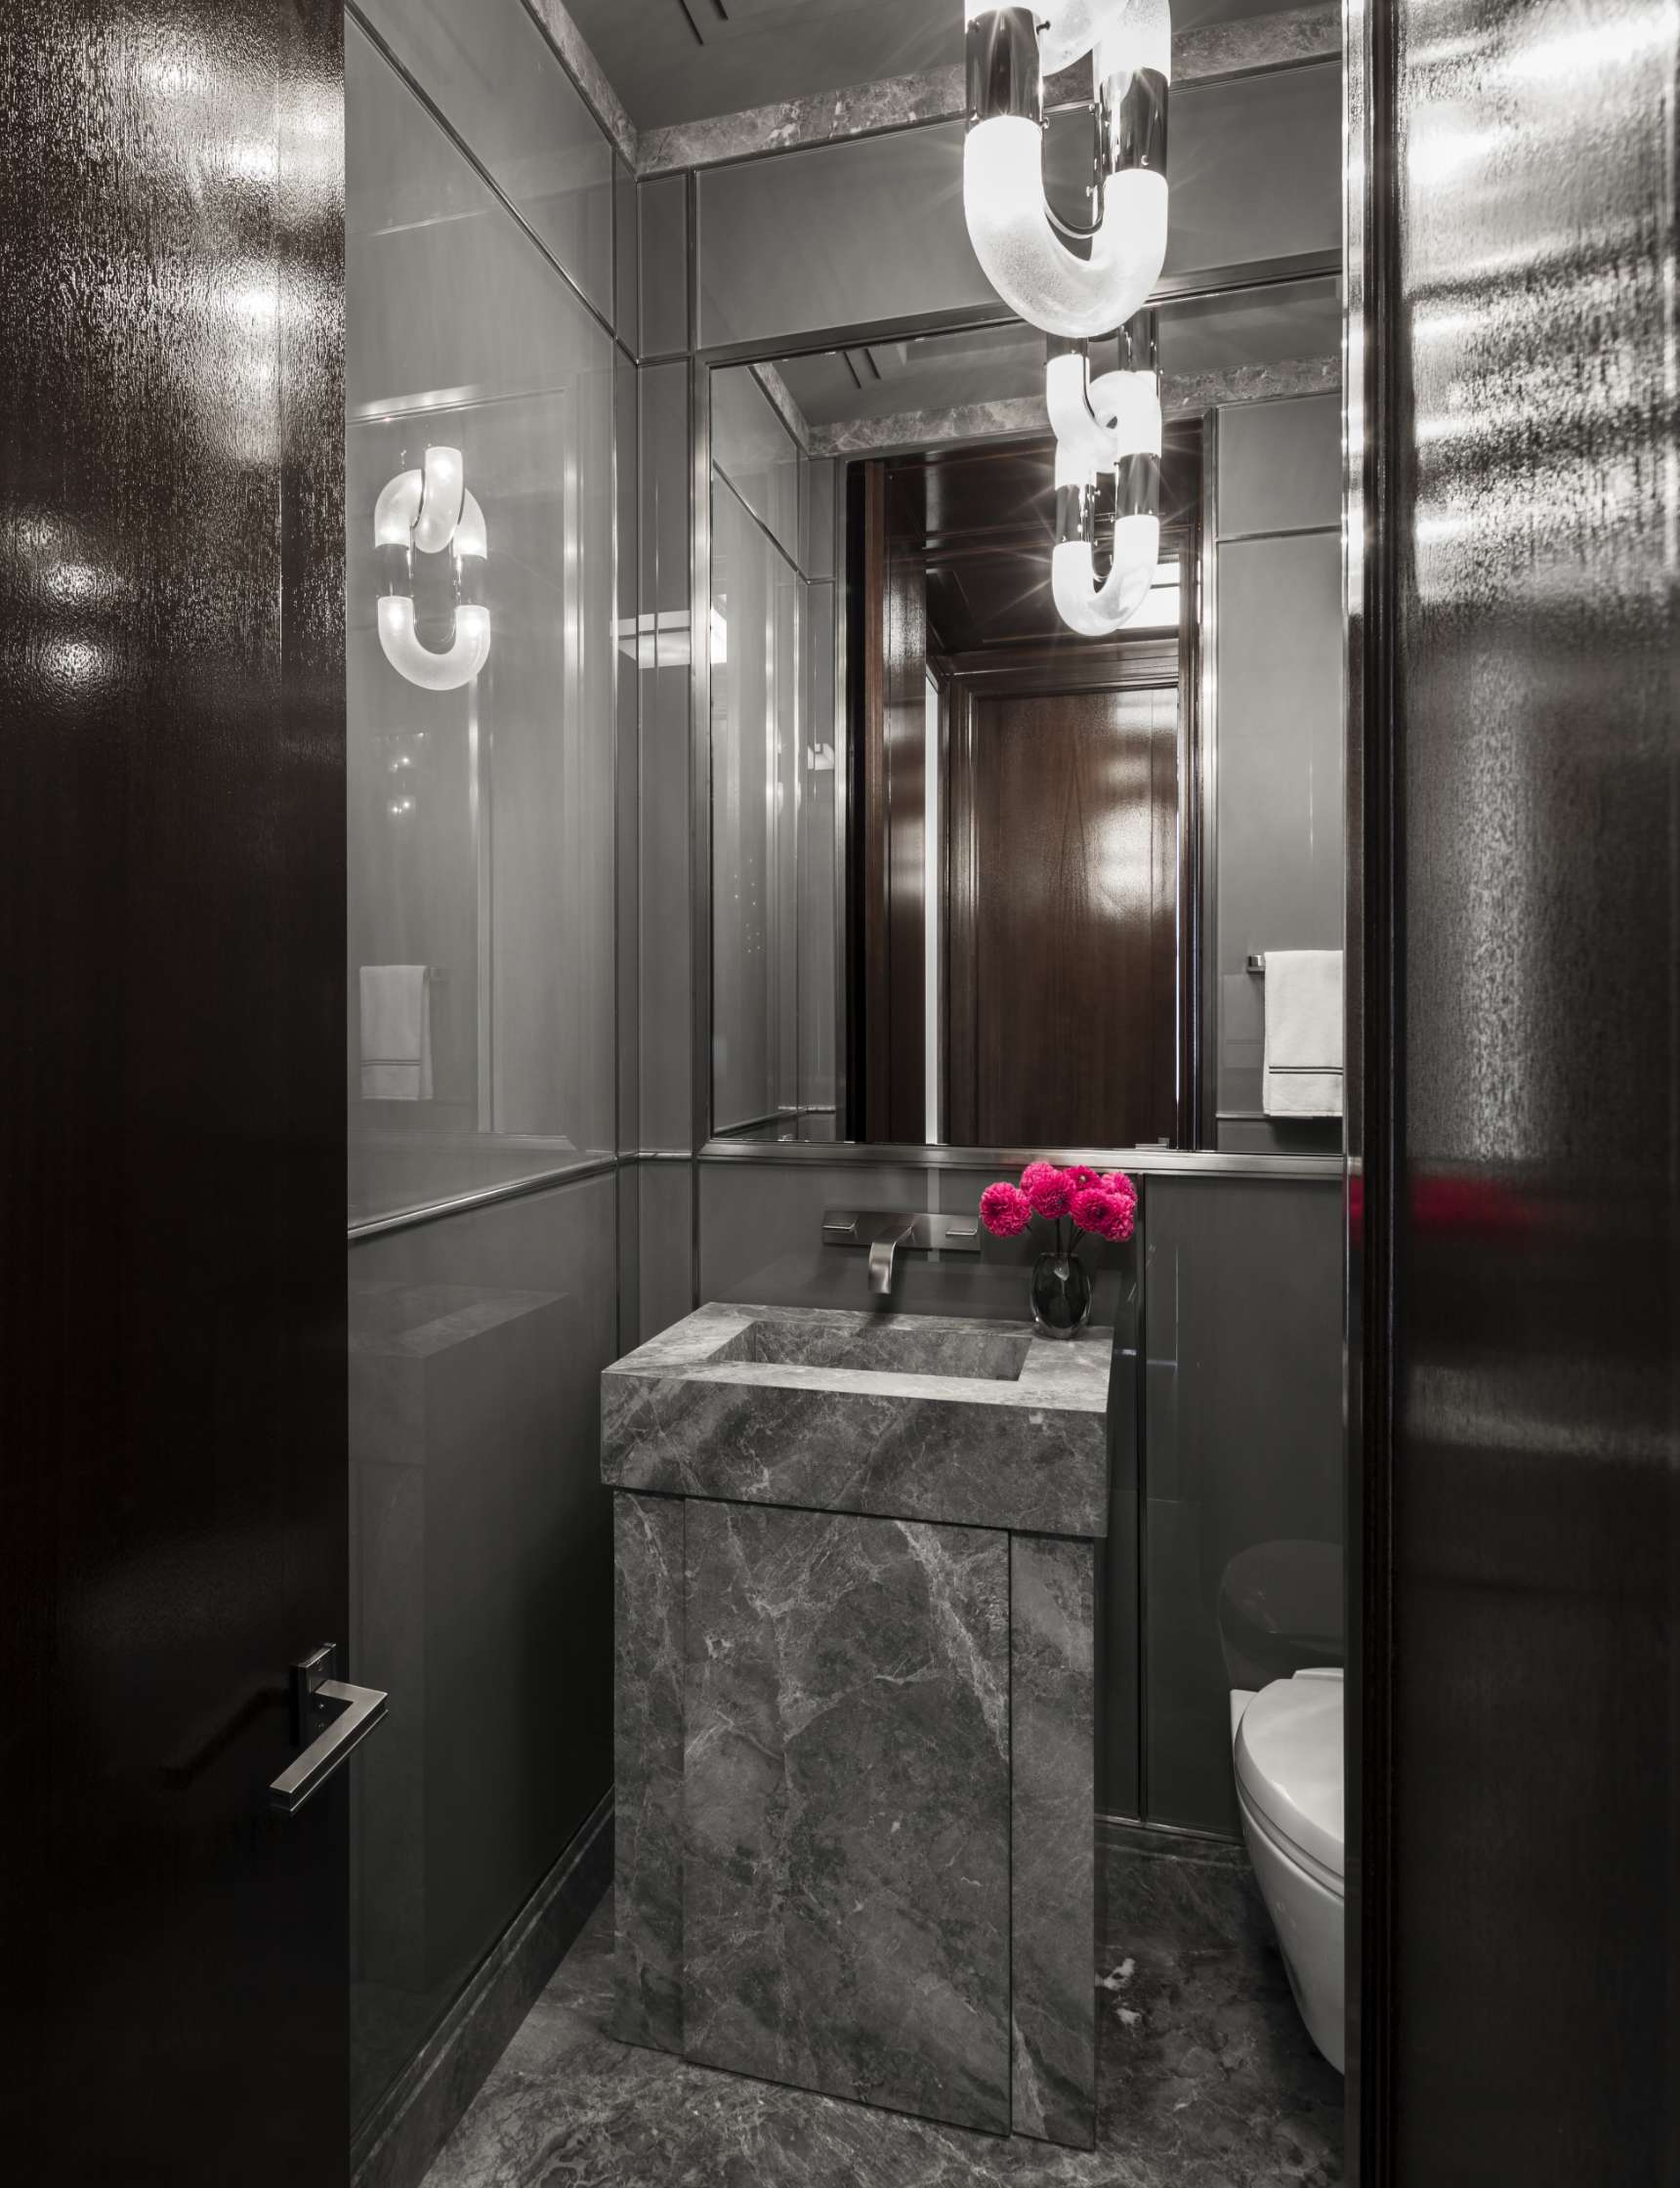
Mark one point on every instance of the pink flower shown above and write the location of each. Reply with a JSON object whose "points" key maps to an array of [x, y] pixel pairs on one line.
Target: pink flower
{"points": [[1048, 1190], [1079, 1176], [1118, 1183], [1105, 1214], [1004, 1209]]}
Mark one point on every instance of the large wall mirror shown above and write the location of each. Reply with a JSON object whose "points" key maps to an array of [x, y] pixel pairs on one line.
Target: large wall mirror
{"points": [[977, 881]]}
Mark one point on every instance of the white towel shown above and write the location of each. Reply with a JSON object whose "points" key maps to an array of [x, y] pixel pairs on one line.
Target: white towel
{"points": [[396, 1034], [1303, 1075]]}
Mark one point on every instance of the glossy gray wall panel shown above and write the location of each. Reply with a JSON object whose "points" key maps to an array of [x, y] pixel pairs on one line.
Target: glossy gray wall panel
{"points": [[627, 699], [500, 84], [482, 1587], [480, 820], [761, 1239], [665, 1246], [793, 242], [1254, 166], [664, 269], [1280, 466], [626, 259], [1243, 1452], [748, 581], [757, 454], [822, 482], [1532, 1477], [666, 993]]}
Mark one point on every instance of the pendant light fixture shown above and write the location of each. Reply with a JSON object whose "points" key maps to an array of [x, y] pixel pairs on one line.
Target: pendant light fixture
{"points": [[1111, 423], [1024, 250]]}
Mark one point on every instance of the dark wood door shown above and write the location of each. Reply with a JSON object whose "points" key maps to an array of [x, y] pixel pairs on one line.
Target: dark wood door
{"points": [[1063, 1028], [173, 1474]]}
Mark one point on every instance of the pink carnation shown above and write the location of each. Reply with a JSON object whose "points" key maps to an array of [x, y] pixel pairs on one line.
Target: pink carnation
{"points": [[1004, 1209], [1079, 1176], [1048, 1190], [1118, 1183]]}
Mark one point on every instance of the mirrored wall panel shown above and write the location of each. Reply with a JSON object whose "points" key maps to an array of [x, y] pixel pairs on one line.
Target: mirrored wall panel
{"points": [[985, 879]]}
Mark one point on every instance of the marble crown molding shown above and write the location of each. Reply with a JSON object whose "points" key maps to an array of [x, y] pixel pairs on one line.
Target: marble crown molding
{"points": [[1188, 394], [1282, 40]]}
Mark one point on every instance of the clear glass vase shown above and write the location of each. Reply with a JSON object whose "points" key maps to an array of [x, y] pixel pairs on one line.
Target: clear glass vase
{"points": [[1061, 1294]]}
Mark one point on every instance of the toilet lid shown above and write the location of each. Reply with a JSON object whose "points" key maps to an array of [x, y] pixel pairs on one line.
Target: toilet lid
{"points": [[1289, 1761]]}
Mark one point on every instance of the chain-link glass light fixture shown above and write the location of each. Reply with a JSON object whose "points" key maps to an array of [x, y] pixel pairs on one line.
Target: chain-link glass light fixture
{"points": [[1111, 423], [426, 510], [1024, 248]]}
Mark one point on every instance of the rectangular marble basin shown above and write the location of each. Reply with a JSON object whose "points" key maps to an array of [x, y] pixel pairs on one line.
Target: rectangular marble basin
{"points": [[906, 1416]]}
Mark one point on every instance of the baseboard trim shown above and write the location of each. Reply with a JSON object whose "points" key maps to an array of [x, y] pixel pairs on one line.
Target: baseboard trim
{"points": [[1179, 1840], [418, 2114]]}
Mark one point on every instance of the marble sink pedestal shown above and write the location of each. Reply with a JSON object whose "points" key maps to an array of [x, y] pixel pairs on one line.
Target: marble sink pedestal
{"points": [[856, 1712]]}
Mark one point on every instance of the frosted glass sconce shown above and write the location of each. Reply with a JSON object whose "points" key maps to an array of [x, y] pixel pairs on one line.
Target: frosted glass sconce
{"points": [[1111, 423], [430, 511], [1021, 244]]}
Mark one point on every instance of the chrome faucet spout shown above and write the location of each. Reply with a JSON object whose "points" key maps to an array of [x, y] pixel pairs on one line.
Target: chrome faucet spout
{"points": [[883, 1258]]}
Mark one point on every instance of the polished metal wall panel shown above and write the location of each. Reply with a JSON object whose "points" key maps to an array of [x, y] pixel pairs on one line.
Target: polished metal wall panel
{"points": [[1532, 2024]]}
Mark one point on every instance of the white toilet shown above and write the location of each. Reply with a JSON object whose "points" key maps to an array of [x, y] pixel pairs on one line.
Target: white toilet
{"points": [[1288, 1740]]}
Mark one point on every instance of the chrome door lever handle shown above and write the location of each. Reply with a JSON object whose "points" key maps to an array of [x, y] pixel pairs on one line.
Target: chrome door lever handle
{"points": [[355, 1711]]}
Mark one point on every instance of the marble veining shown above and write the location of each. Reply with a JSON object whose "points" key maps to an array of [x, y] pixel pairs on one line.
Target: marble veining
{"points": [[1053, 1912], [647, 1539], [846, 1807], [682, 1417], [1207, 2078], [1201, 56]]}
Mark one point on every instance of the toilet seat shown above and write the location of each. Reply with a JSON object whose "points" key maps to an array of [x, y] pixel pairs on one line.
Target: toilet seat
{"points": [[1290, 1770]]}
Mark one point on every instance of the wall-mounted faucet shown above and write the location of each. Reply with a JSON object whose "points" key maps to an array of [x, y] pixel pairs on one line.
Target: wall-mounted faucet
{"points": [[884, 1232]]}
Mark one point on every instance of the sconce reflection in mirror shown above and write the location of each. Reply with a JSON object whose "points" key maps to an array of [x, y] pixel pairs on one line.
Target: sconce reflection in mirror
{"points": [[1109, 423], [1022, 245], [429, 511]]}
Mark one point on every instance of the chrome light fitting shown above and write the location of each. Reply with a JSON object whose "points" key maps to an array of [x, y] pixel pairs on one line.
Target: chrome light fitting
{"points": [[1111, 423], [426, 510], [1026, 251]]}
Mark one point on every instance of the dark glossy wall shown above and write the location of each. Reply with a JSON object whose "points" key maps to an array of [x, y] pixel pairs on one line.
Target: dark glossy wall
{"points": [[1525, 861], [172, 1381]]}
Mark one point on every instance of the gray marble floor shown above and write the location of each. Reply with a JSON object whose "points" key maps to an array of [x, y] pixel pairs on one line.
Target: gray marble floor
{"points": [[1208, 2080]]}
